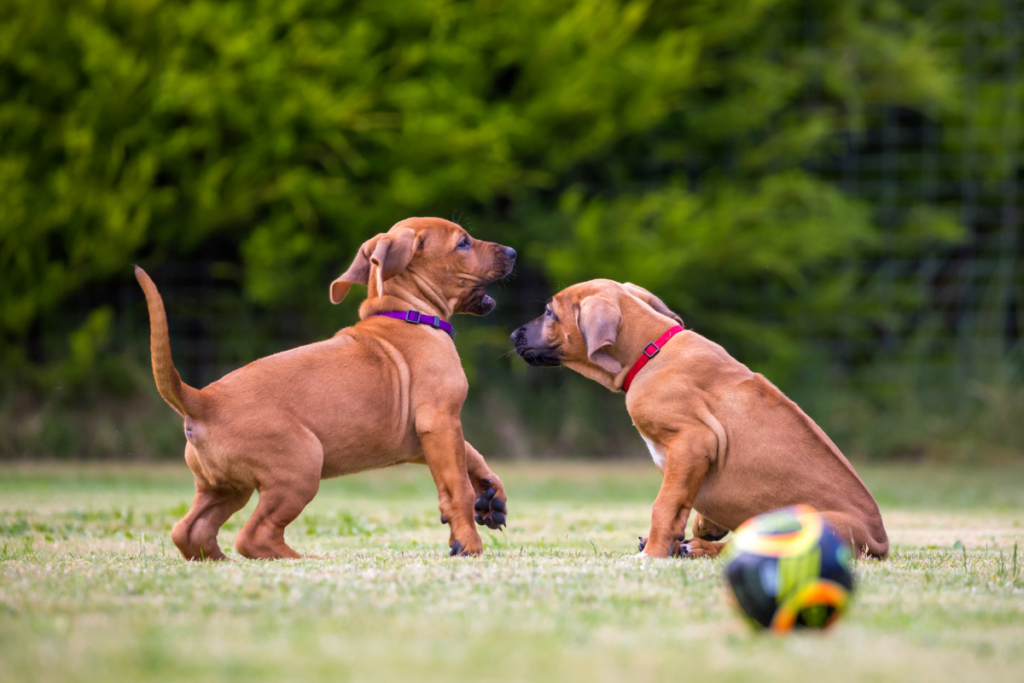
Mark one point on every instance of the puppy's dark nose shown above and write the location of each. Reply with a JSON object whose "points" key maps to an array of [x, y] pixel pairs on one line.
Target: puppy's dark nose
{"points": [[510, 254], [515, 335]]}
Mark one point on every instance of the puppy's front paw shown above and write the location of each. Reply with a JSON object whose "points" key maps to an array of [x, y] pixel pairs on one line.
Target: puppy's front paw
{"points": [[471, 547], [491, 511]]}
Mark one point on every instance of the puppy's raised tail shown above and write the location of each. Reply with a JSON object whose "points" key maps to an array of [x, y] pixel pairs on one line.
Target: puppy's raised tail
{"points": [[180, 396]]}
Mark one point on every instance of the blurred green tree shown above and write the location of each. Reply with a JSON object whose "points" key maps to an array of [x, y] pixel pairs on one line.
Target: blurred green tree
{"points": [[683, 145]]}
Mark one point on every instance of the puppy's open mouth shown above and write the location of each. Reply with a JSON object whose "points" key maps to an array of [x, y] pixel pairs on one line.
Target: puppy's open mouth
{"points": [[478, 302], [487, 303]]}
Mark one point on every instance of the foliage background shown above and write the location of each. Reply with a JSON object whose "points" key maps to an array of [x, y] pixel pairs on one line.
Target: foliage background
{"points": [[831, 190]]}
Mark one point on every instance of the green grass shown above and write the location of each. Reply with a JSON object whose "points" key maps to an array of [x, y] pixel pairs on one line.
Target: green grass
{"points": [[91, 589]]}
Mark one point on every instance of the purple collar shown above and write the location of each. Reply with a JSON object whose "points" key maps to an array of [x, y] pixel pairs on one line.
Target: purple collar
{"points": [[417, 318]]}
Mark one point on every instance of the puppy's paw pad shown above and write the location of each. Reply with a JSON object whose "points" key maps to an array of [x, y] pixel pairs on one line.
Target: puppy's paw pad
{"points": [[491, 511], [483, 503]]}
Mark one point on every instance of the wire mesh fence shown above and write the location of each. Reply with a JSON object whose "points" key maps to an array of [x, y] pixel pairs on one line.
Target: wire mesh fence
{"points": [[946, 355]]}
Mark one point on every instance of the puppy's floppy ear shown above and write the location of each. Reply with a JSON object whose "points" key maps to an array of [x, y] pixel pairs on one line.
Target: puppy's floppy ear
{"points": [[599, 320], [651, 300], [382, 257]]}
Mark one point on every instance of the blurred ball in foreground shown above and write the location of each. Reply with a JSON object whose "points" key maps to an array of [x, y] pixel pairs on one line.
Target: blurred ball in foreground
{"points": [[789, 568]]}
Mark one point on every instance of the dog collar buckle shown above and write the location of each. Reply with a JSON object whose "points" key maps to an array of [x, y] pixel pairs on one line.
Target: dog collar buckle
{"points": [[650, 351], [417, 318]]}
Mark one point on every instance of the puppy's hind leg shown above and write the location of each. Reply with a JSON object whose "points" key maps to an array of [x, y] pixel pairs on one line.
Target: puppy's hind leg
{"points": [[287, 483], [705, 533], [706, 530], [857, 534], [196, 534], [696, 547]]}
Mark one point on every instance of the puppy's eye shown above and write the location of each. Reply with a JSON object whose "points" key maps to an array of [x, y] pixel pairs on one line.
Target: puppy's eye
{"points": [[464, 244]]}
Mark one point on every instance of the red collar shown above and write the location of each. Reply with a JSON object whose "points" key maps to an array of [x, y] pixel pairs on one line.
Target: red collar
{"points": [[650, 351]]}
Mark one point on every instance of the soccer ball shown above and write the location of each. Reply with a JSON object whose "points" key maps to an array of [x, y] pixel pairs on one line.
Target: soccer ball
{"points": [[789, 568]]}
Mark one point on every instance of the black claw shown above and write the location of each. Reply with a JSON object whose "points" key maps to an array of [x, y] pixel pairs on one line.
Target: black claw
{"points": [[456, 549], [498, 504], [444, 520], [479, 518], [643, 543], [498, 518]]}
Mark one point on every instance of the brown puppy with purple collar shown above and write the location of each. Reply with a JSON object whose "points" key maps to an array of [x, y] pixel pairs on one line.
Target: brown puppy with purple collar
{"points": [[380, 393], [729, 444]]}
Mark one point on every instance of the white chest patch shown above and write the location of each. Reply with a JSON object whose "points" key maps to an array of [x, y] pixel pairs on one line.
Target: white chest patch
{"points": [[657, 453]]}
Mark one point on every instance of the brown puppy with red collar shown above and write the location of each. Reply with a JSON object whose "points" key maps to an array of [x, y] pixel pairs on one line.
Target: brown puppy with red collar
{"points": [[379, 393], [729, 443]]}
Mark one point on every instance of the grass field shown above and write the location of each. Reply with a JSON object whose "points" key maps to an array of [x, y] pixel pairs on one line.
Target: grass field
{"points": [[91, 588]]}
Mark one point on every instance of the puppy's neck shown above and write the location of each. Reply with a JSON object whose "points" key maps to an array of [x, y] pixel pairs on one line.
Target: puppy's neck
{"points": [[409, 290], [641, 325]]}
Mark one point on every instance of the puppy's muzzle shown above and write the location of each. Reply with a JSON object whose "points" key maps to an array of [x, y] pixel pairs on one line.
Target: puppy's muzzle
{"points": [[478, 301], [538, 356], [504, 262]]}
